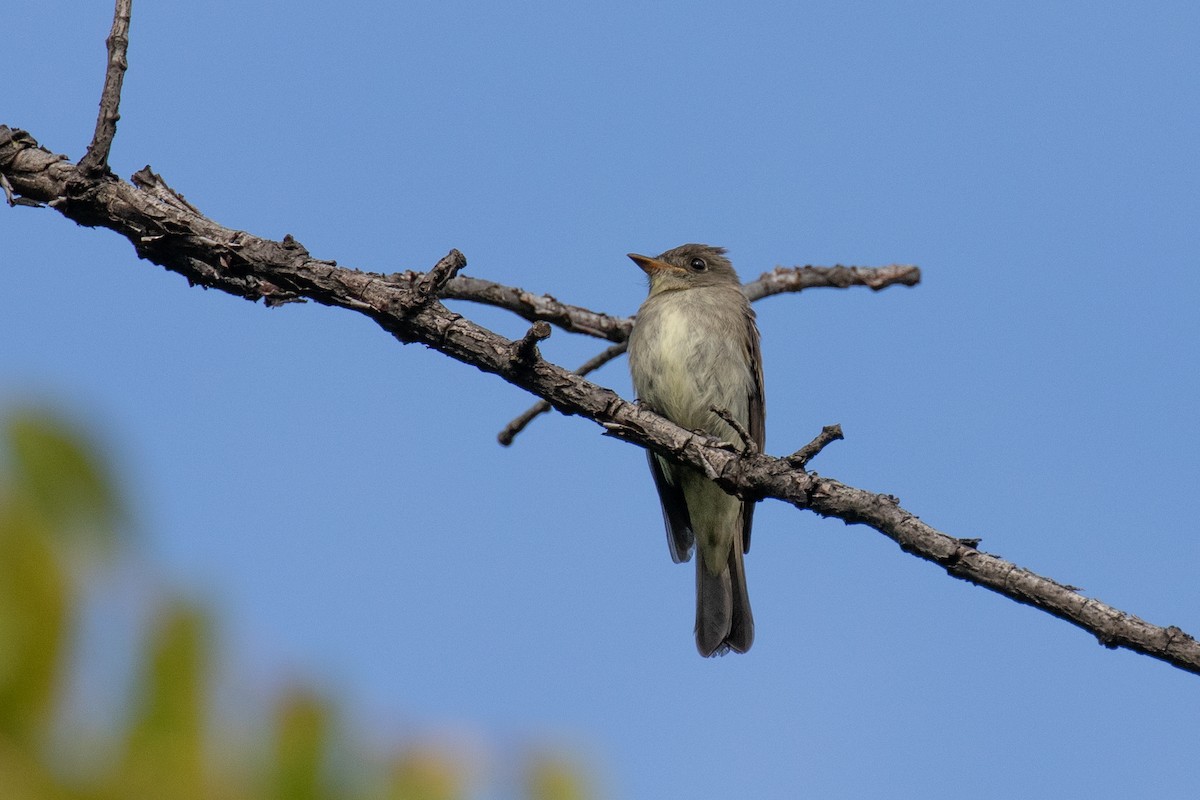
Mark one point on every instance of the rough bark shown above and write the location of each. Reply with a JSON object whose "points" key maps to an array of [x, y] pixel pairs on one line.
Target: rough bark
{"points": [[167, 230]]}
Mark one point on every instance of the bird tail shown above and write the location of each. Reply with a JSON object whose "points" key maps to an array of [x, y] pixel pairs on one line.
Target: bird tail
{"points": [[723, 618]]}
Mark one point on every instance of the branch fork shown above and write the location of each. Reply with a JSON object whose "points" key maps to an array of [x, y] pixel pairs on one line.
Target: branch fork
{"points": [[168, 231]]}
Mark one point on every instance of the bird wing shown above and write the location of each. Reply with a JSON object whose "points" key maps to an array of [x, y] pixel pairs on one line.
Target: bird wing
{"points": [[674, 509], [758, 415]]}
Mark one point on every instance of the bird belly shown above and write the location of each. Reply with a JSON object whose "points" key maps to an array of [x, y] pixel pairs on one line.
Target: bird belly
{"points": [[683, 370]]}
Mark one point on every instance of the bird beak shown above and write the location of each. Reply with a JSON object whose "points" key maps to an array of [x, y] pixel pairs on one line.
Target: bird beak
{"points": [[650, 266]]}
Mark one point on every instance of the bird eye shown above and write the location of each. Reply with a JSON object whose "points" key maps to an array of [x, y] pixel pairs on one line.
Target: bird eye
{"points": [[698, 264]]}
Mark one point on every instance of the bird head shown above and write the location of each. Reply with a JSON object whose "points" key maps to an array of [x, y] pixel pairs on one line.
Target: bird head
{"points": [[687, 267]]}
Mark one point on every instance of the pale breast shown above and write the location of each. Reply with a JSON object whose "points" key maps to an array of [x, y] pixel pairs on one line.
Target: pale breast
{"points": [[688, 353]]}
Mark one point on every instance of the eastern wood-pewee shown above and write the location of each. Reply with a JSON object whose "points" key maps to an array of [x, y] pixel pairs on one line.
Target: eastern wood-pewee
{"points": [[694, 347]]}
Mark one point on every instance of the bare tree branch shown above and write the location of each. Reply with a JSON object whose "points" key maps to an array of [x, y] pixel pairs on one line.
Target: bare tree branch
{"points": [[172, 234], [167, 230], [580, 320], [534, 307], [95, 161], [506, 436], [577, 319], [795, 279]]}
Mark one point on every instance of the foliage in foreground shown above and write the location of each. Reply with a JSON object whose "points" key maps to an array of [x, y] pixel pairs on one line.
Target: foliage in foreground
{"points": [[59, 511]]}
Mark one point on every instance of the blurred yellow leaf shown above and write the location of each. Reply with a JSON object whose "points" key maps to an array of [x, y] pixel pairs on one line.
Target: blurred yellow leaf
{"points": [[554, 779], [423, 774], [23, 777]]}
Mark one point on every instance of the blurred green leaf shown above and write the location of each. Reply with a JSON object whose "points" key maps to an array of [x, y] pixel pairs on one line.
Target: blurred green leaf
{"points": [[164, 757], [34, 610], [59, 474], [302, 734], [57, 500]]}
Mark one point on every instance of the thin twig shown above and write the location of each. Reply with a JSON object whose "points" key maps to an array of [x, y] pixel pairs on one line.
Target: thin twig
{"points": [[518, 423], [524, 351], [533, 307], [95, 161], [425, 287], [433, 282], [9, 197], [828, 434], [797, 279], [748, 442]]}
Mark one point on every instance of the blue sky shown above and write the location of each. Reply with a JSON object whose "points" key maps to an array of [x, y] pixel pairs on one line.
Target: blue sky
{"points": [[340, 499]]}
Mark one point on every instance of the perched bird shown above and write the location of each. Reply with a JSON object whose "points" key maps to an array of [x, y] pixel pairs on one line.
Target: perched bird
{"points": [[695, 347]]}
